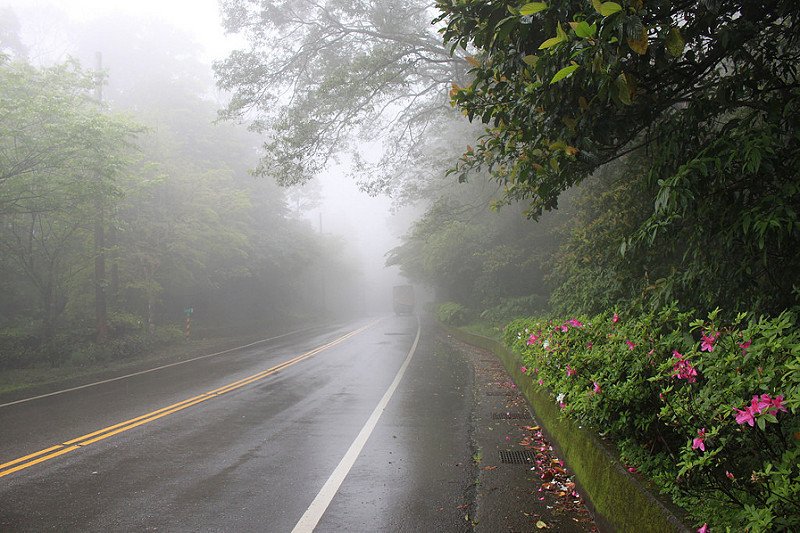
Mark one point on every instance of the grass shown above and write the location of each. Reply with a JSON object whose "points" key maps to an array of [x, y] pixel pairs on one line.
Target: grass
{"points": [[484, 329], [24, 381]]}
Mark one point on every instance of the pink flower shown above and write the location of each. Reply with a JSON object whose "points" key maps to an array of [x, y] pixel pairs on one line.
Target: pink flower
{"points": [[777, 404], [532, 339], [744, 416], [630, 344], [698, 441], [615, 318], [564, 328], [523, 369], [744, 346], [632, 469], [596, 389], [683, 369], [570, 371], [541, 382], [661, 396], [759, 404], [703, 529], [730, 476], [707, 342], [589, 345], [575, 323]]}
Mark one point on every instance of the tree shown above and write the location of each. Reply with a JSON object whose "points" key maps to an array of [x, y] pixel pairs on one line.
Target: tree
{"points": [[59, 156], [325, 79], [707, 91]]}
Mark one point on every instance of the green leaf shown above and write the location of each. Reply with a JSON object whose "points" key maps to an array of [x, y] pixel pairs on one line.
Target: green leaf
{"points": [[583, 30], [675, 43], [532, 8], [563, 73], [623, 91], [531, 59], [550, 42], [608, 8], [560, 32], [560, 37]]}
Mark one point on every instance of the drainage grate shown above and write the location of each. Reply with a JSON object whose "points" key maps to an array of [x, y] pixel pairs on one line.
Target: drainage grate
{"points": [[517, 457], [511, 416]]}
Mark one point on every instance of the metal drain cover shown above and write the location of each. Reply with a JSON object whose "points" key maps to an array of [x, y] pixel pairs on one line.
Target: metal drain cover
{"points": [[511, 416], [517, 457]]}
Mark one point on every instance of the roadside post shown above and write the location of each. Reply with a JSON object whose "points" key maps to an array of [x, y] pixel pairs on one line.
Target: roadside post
{"points": [[188, 312]]}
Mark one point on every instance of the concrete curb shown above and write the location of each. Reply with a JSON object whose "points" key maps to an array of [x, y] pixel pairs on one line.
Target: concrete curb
{"points": [[621, 501]]}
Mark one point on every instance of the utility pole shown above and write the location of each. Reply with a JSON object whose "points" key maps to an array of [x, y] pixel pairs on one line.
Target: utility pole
{"points": [[100, 303], [322, 272]]}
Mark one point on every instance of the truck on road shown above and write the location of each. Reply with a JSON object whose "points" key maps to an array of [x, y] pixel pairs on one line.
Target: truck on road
{"points": [[403, 299]]}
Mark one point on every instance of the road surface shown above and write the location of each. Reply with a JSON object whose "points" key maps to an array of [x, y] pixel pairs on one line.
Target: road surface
{"points": [[246, 441]]}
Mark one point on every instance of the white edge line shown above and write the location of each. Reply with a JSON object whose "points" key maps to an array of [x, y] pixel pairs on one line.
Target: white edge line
{"points": [[149, 370], [314, 513]]}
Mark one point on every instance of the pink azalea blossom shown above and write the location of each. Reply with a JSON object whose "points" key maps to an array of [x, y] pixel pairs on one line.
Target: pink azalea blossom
{"points": [[541, 382], [630, 344], [744, 346], [744, 416], [615, 318], [661, 396], [730, 476], [589, 345], [698, 441], [777, 404], [683, 369], [570, 371], [758, 405], [532, 339], [575, 323], [564, 328], [523, 369], [596, 389], [703, 529], [707, 342]]}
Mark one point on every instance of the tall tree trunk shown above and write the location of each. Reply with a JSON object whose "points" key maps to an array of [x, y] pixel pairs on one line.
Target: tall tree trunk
{"points": [[100, 304]]}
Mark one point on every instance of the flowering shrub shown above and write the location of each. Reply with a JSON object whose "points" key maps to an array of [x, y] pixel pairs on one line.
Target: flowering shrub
{"points": [[707, 409]]}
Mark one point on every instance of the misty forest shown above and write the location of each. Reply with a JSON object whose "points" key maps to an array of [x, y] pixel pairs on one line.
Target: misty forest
{"points": [[610, 189]]}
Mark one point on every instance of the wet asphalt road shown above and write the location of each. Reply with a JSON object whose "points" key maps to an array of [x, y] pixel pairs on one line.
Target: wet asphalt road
{"points": [[254, 458]]}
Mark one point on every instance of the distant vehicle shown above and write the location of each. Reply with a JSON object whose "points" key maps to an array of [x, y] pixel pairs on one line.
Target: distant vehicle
{"points": [[403, 299]]}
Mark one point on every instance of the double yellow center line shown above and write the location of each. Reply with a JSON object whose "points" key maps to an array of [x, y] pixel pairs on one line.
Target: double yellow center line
{"points": [[101, 434]]}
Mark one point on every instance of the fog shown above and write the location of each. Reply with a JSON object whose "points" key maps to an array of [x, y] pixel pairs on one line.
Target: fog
{"points": [[145, 43]]}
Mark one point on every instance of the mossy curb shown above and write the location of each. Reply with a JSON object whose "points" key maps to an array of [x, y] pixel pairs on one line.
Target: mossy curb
{"points": [[621, 501]]}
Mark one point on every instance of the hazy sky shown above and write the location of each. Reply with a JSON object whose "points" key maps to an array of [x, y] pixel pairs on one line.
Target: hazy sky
{"points": [[199, 18]]}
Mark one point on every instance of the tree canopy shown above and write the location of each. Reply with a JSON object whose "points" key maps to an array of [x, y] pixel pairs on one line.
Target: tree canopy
{"points": [[706, 92], [321, 80]]}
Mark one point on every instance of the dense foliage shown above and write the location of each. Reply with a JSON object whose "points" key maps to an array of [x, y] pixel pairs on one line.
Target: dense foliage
{"points": [[706, 408], [705, 92], [475, 256], [182, 223]]}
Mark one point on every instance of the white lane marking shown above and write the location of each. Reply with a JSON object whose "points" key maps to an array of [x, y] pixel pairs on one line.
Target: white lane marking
{"points": [[314, 513], [150, 370]]}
